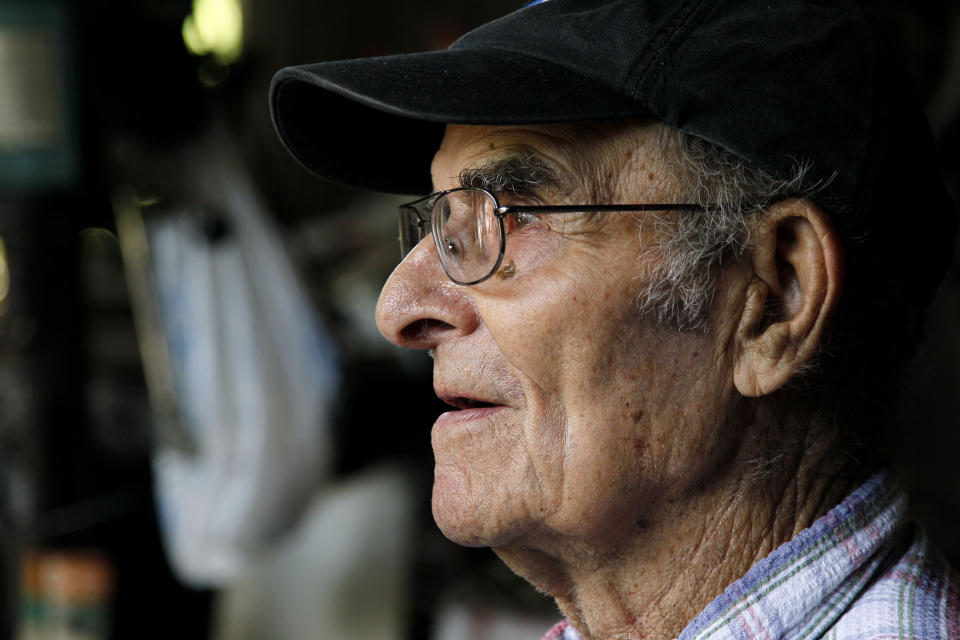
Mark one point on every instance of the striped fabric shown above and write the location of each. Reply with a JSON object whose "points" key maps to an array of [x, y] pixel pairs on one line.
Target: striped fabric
{"points": [[861, 572]]}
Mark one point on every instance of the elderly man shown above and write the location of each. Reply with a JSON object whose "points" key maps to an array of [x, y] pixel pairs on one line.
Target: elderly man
{"points": [[669, 275]]}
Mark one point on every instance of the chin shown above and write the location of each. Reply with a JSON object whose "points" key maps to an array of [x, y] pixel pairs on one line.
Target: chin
{"points": [[472, 521], [461, 535], [458, 524], [451, 510]]}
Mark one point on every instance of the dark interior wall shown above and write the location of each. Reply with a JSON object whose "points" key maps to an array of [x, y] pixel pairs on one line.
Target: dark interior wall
{"points": [[926, 37]]}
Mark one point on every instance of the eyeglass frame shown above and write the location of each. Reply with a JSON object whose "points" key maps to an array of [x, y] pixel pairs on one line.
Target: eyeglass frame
{"points": [[501, 211]]}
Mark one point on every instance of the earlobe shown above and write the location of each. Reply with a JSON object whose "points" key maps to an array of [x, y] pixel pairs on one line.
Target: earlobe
{"points": [[797, 261]]}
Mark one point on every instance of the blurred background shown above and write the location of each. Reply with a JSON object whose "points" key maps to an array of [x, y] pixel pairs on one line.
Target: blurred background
{"points": [[202, 433]]}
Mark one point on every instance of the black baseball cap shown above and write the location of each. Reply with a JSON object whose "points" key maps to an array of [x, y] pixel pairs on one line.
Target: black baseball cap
{"points": [[776, 82]]}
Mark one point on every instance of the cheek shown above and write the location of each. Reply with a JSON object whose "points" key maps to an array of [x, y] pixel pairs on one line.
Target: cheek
{"points": [[568, 329], [574, 348], [530, 249], [551, 312], [613, 468], [543, 333]]}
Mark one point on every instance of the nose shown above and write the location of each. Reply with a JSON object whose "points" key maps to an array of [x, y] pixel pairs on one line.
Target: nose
{"points": [[419, 307]]}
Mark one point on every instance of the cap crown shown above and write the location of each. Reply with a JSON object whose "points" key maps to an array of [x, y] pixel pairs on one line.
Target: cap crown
{"points": [[777, 83]]}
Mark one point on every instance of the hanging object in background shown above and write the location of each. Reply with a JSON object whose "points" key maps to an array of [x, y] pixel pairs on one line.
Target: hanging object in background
{"points": [[38, 138], [240, 371]]}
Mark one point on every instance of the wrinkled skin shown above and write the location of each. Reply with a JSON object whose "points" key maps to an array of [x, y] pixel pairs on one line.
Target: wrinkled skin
{"points": [[604, 442]]}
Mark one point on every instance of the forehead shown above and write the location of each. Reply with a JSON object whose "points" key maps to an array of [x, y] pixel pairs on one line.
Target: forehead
{"points": [[569, 152]]}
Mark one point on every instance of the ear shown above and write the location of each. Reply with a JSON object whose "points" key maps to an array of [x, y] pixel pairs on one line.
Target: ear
{"points": [[797, 262]]}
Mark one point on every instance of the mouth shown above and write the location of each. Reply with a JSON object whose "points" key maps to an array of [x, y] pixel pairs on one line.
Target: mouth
{"points": [[466, 410], [463, 403]]}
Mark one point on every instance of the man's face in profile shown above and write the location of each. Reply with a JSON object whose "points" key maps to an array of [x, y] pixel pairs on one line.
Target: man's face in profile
{"points": [[573, 413]]}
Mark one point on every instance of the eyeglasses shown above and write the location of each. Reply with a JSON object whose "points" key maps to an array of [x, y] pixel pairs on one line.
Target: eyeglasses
{"points": [[469, 231]]}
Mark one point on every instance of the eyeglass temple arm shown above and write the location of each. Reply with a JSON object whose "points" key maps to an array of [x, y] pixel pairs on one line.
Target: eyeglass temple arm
{"points": [[605, 208]]}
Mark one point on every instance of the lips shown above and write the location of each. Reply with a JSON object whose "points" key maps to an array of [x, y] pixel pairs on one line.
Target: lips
{"points": [[469, 408], [466, 402], [475, 382]]}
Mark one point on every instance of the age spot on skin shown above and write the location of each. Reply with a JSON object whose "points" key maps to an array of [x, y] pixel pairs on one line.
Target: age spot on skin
{"points": [[640, 445], [637, 415], [507, 272]]}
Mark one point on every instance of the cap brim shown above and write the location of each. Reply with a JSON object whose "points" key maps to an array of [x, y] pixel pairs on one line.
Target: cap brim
{"points": [[375, 123]]}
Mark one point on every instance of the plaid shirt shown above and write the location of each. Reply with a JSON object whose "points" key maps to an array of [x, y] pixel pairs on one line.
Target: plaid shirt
{"points": [[861, 572]]}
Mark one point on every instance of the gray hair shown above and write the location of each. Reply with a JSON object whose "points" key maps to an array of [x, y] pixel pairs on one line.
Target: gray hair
{"points": [[853, 386], [681, 288]]}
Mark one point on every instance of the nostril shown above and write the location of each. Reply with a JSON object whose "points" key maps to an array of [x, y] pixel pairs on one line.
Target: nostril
{"points": [[427, 329]]}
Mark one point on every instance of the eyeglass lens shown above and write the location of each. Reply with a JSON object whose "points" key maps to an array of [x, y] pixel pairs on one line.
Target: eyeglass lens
{"points": [[411, 230], [467, 233]]}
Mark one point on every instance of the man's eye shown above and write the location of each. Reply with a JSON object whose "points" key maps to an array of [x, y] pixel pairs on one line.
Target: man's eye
{"points": [[519, 220]]}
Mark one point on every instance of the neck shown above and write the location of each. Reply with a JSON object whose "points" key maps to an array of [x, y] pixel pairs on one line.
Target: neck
{"points": [[673, 566]]}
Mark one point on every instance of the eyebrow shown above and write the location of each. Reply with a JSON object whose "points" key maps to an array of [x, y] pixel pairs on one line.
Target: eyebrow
{"points": [[516, 173]]}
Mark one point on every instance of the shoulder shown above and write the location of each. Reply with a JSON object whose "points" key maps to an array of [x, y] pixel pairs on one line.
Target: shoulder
{"points": [[917, 597]]}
